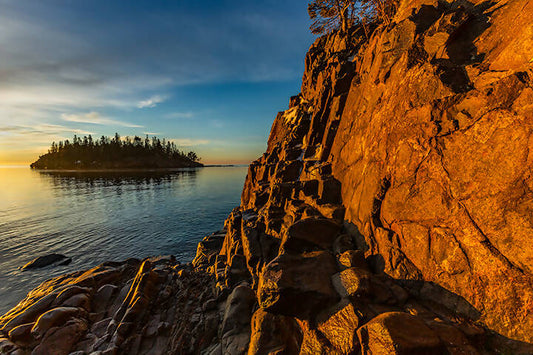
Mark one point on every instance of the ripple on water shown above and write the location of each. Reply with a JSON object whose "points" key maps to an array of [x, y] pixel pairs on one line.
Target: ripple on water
{"points": [[95, 218]]}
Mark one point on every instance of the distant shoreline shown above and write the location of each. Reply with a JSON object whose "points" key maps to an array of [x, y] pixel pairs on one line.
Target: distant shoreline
{"points": [[118, 170], [224, 165]]}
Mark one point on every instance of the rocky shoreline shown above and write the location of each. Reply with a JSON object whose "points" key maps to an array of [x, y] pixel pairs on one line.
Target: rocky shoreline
{"points": [[124, 307], [390, 214], [307, 303]]}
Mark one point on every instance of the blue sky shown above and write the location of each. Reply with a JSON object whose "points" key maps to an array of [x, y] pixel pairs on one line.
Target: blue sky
{"points": [[211, 75]]}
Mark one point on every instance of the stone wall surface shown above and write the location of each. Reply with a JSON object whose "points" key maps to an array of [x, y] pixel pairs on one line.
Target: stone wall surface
{"points": [[392, 213], [434, 154]]}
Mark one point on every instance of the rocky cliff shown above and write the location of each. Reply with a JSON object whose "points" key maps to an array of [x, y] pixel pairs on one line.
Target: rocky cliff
{"points": [[434, 154], [392, 213]]}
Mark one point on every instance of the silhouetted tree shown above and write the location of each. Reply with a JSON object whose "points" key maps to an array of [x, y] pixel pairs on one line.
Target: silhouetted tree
{"points": [[383, 10], [147, 142], [192, 156], [330, 15]]}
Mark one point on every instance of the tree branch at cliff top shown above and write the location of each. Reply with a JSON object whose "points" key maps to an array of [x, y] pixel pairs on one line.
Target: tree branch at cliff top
{"points": [[331, 15]]}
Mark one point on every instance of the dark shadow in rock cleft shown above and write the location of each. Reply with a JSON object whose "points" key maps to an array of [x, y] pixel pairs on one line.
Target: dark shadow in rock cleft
{"points": [[463, 26]]}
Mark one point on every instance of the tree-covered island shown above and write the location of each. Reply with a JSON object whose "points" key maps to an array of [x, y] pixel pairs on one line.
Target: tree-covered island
{"points": [[115, 153]]}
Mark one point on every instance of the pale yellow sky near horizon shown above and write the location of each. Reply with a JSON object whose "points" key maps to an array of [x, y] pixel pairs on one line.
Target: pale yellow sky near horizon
{"points": [[26, 160], [210, 152]]}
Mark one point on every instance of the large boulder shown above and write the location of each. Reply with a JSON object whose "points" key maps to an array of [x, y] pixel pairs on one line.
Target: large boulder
{"points": [[298, 285], [339, 324], [235, 330], [22, 336], [311, 234], [61, 340], [208, 248], [399, 333], [273, 334], [53, 318]]}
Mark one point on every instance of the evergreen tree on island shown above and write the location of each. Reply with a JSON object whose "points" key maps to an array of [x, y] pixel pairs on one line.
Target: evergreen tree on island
{"points": [[115, 153]]}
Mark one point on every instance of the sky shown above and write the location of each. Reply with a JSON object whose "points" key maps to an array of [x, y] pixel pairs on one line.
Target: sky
{"points": [[209, 75]]}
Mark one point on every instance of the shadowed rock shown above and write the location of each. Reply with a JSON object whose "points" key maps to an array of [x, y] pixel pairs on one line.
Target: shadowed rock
{"points": [[311, 233], [298, 285], [273, 333], [399, 333]]}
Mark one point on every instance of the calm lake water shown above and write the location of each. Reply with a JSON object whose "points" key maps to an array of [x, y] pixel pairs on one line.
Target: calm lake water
{"points": [[97, 217]]}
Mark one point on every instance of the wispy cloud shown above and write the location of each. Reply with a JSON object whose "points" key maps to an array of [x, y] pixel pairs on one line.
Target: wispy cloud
{"points": [[151, 133], [151, 102], [188, 114], [22, 143], [96, 118], [185, 142], [44, 129]]}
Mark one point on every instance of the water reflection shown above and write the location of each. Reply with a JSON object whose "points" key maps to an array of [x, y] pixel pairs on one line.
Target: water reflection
{"points": [[96, 179], [98, 216]]}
